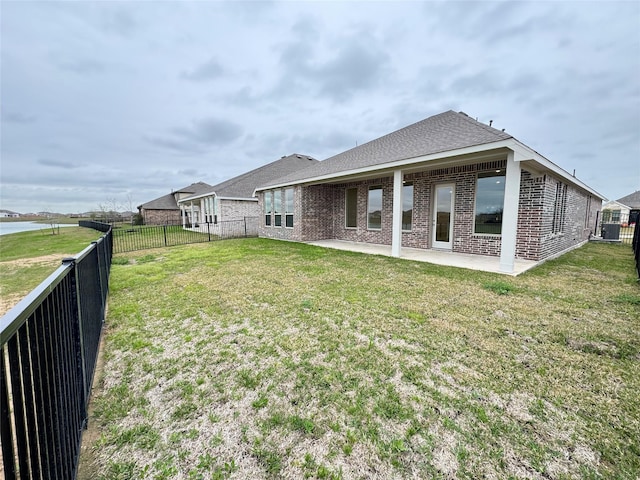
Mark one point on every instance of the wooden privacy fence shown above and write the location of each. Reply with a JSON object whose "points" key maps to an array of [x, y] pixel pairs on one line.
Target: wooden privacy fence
{"points": [[48, 351]]}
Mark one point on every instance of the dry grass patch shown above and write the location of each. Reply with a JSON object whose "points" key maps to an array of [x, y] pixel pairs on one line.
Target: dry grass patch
{"points": [[264, 359]]}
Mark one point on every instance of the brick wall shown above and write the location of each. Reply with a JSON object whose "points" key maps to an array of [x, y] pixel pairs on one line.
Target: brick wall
{"points": [[161, 217], [237, 209], [361, 233], [530, 215], [578, 221], [318, 212]]}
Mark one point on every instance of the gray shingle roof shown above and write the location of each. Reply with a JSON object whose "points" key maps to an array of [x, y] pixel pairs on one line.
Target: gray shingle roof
{"points": [[195, 188], [244, 185], [440, 133], [168, 201], [632, 200]]}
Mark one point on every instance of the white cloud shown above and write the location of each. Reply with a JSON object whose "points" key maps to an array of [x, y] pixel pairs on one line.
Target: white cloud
{"points": [[143, 97]]}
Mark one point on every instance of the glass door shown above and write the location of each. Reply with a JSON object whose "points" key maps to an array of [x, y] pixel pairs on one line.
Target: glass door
{"points": [[443, 217]]}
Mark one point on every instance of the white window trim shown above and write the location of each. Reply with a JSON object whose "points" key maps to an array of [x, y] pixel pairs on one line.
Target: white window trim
{"points": [[286, 213], [275, 212], [270, 214]]}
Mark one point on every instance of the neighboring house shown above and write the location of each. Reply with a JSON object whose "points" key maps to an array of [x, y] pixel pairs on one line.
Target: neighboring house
{"points": [[632, 201], [614, 212], [234, 199], [447, 182], [164, 210], [8, 214]]}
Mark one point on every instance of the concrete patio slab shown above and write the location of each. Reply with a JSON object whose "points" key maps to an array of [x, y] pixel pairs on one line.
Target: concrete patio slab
{"points": [[438, 257]]}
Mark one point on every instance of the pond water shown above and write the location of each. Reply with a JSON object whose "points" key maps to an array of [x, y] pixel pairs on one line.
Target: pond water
{"points": [[15, 227]]}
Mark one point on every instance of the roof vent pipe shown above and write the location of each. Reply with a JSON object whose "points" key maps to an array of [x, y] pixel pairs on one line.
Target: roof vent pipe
{"points": [[490, 122]]}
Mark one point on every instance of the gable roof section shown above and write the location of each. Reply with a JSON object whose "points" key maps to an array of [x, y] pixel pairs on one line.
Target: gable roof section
{"points": [[440, 133], [632, 200], [195, 188], [243, 186], [613, 204], [168, 201]]}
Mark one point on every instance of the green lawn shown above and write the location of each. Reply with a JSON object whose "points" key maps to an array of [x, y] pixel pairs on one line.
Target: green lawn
{"points": [[263, 359], [27, 258]]}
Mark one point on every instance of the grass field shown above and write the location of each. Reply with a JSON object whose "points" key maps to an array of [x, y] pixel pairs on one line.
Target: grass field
{"points": [[264, 359], [27, 258]]}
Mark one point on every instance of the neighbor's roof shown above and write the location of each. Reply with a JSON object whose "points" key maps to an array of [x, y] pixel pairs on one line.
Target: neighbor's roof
{"points": [[439, 133], [168, 201], [632, 200], [244, 185]]}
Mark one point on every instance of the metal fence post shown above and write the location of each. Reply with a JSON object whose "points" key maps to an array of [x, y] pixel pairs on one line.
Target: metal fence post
{"points": [[245, 226], [209, 230], [164, 229]]}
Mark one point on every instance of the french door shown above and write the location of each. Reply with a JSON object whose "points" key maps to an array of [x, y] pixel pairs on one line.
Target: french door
{"points": [[443, 216]]}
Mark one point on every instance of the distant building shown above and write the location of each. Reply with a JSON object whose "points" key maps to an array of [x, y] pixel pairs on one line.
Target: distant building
{"points": [[8, 214]]}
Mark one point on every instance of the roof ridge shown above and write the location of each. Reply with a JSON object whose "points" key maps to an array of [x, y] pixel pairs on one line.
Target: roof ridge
{"points": [[475, 122], [233, 181]]}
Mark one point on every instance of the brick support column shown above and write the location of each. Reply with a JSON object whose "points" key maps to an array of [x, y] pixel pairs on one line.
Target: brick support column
{"points": [[510, 215], [396, 233]]}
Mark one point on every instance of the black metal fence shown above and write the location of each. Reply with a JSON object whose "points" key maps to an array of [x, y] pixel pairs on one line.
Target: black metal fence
{"points": [[130, 238], [48, 351]]}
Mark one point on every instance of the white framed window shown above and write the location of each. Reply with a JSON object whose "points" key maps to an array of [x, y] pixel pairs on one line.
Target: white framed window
{"points": [[268, 196], [407, 206], [351, 208], [277, 208], [374, 208], [489, 202], [288, 208]]}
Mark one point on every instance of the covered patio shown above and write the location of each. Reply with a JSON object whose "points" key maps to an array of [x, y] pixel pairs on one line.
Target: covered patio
{"points": [[438, 257]]}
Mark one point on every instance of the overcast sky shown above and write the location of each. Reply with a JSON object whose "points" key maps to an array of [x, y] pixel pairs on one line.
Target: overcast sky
{"points": [[113, 100]]}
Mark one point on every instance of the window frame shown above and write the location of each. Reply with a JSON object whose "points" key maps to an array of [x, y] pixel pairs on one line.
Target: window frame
{"points": [[587, 213], [374, 188], [559, 209], [347, 210], [277, 208], [289, 207], [406, 185], [268, 208], [501, 173]]}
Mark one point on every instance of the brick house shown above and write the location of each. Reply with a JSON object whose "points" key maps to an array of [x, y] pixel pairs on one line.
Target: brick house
{"points": [[447, 182], [234, 199], [164, 210]]}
